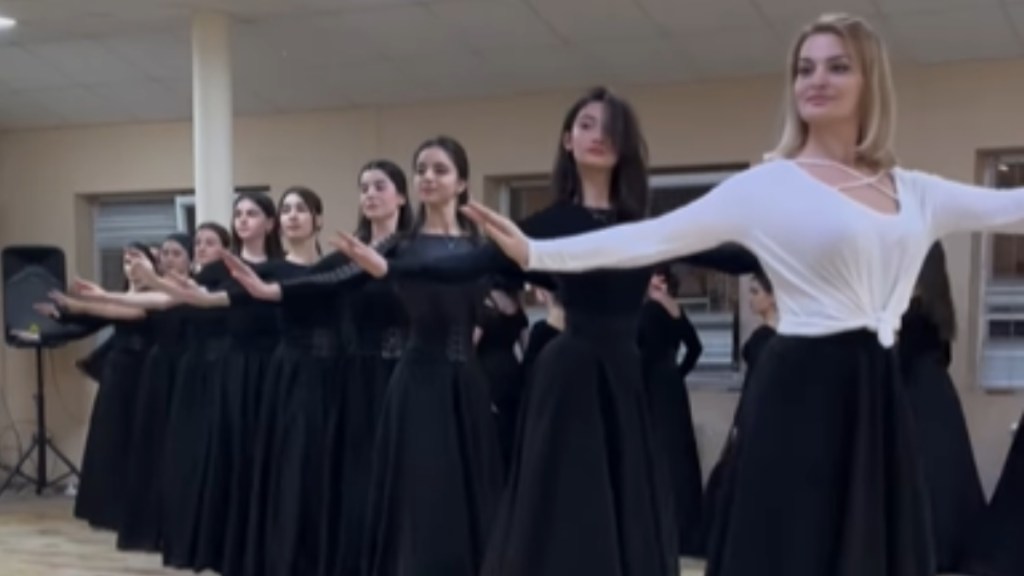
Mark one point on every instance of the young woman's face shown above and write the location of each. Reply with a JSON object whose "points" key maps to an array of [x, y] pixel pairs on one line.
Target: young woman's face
{"points": [[437, 180], [379, 200], [250, 222], [207, 246], [297, 220], [761, 301], [174, 258], [828, 82], [587, 142]]}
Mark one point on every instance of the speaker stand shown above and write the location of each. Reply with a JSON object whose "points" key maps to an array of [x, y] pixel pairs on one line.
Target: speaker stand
{"points": [[41, 443]]}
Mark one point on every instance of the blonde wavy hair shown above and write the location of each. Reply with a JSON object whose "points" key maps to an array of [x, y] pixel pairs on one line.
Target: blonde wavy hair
{"points": [[877, 107]]}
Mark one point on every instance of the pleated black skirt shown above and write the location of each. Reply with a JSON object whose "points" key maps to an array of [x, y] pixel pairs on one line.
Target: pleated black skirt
{"points": [[437, 470], [351, 436], [997, 548], [236, 397], [303, 388], [190, 425], [826, 479], [589, 491], [141, 526], [104, 474], [947, 459], [672, 420], [504, 376]]}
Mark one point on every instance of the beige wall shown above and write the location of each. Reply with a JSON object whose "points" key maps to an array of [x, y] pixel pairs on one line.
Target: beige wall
{"points": [[946, 115]]}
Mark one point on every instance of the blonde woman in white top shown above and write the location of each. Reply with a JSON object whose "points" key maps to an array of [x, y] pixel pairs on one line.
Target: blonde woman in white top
{"points": [[828, 481]]}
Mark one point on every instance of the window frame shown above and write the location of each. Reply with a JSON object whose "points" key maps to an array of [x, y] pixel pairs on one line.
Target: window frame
{"points": [[993, 293]]}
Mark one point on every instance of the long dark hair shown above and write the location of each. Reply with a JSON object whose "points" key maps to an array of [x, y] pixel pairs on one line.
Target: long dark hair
{"points": [[629, 186], [934, 294], [222, 233], [312, 201], [457, 154], [397, 177], [272, 246]]}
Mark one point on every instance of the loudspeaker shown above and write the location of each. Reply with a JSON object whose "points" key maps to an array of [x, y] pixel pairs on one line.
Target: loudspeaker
{"points": [[29, 274]]}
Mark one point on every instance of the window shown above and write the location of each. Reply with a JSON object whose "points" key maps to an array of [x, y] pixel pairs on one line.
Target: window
{"points": [[711, 299], [1001, 365], [118, 222]]}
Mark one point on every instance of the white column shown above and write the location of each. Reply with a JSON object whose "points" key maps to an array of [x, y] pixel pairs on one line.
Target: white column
{"points": [[212, 117]]}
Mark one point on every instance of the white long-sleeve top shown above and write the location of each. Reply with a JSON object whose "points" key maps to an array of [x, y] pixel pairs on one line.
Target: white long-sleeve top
{"points": [[835, 264]]}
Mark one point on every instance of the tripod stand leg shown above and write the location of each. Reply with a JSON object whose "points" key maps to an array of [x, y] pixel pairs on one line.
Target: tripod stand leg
{"points": [[17, 469], [72, 470]]}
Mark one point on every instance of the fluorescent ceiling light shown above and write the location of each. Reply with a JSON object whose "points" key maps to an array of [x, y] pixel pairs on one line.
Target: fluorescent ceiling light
{"points": [[6, 22]]}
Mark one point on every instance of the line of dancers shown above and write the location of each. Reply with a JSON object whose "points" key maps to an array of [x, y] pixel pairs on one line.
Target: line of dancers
{"points": [[282, 412]]}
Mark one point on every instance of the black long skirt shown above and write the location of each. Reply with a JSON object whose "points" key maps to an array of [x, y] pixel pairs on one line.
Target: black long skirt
{"points": [[827, 480], [223, 519], [998, 547], [104, 473], [437, 470], [588, 492], [947, 459], [191, 422], [672, 420], [141, 525], [351, 436], [504, 376], [286, 505]]}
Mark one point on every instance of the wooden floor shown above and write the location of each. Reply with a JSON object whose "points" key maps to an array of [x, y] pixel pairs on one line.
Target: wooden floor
{"points": [[39, 537]]}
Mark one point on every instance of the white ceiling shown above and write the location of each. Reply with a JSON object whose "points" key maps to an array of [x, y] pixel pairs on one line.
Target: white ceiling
{"points": [[96, 61]]}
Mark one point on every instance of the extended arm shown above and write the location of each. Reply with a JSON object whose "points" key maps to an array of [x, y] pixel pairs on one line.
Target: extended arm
{"points": [[484, 260], [720, 216], [152, 300], [957, 207]]}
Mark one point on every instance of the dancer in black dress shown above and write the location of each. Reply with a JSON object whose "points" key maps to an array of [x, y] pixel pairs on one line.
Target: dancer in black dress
{"points": [[663, 328], [303, 388], [141, 525], [762, 303], [828, 478], [238, 380], [437, 462], [588, 493], [373, 330], [105, 462], [954, 486]]}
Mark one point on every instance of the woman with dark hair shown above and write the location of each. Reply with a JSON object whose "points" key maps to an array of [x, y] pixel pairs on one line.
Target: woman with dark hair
{"points": [[588, 493], [255, 236], [957, 499], [716, 493], [140, 528], [302, 387], [105, 461], [374, 326], [238, 382], [436, 463], [663, 327]]}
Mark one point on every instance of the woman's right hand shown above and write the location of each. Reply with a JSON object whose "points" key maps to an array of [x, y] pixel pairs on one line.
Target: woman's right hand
{"points": [[364, 256], [502, 231], [251, 281]]}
